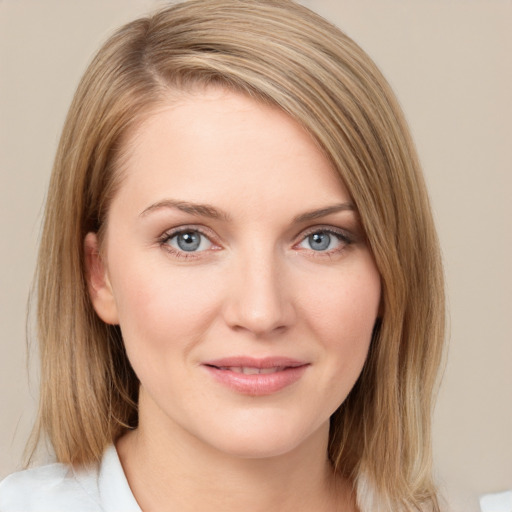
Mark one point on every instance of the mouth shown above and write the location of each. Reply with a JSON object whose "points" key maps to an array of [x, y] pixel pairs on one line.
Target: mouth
{"points": [[247, 370], [256, 377]]}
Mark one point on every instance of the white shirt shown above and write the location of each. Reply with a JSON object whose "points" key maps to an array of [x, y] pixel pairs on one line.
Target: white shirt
{"points": [[500, 502], [60, 488]]}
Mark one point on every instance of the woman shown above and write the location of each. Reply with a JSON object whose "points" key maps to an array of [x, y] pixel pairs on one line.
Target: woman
{"points": [[240, 296]]}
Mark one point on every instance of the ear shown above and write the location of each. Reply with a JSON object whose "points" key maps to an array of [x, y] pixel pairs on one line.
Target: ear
{"points": [[98, 283]]}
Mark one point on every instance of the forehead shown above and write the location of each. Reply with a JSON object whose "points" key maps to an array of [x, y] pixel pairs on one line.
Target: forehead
{"points": [[217, 145]]}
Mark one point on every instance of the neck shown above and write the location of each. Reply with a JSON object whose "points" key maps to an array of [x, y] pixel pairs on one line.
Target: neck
{"points": [[172, 470]]}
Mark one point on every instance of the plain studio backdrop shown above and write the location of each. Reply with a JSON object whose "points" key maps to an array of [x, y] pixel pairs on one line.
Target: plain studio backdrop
{"points": [[449, 61]]}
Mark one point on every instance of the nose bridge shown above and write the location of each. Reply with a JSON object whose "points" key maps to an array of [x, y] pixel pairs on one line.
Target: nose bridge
{"points": [[259, 300]]}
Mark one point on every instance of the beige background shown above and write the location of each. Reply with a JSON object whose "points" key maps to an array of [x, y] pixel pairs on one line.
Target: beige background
{"points": [[450, 64]]}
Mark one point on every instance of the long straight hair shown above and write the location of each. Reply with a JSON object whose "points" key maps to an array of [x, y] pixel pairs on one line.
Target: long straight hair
{"points": [[284, 55]]}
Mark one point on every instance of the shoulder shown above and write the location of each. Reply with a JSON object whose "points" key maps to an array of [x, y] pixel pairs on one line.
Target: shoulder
{"points": [[46, 488], [63, 488]]}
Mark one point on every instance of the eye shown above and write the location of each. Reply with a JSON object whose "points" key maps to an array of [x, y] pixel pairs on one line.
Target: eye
{"points": [[189, 240], [323, 240]]}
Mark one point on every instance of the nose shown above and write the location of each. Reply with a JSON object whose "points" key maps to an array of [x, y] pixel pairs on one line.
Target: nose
{"points": [[259, 299]]}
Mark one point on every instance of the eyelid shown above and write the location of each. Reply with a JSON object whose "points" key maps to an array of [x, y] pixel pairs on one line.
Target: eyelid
{"points": [[345, 238], [344, 234], [168, 234]]}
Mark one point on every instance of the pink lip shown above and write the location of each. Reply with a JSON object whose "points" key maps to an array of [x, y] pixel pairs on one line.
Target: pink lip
{"points": [[286, 372]]}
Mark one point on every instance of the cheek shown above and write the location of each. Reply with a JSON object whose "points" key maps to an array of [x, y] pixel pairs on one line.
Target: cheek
{"points": [[347, 302], [161, 311], [342, 311]]}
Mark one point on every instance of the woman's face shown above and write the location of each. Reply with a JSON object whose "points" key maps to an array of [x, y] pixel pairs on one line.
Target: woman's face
{"points": [[239, 274]]}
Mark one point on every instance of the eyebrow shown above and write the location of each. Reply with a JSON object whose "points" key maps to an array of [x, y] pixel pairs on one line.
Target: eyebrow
{"points": [[322, 212], [206, 210], [202, 210]]}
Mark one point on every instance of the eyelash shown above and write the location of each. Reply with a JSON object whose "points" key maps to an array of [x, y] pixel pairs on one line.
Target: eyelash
{"points": [[163, 241], [341, 235]]}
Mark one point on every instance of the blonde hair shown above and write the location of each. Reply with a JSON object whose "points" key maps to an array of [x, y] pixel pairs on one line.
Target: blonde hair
{"points": [[285, 55]]}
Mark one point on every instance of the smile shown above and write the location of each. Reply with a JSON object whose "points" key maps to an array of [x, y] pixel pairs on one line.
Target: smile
{"points": [[247, 370], [256, 377]]}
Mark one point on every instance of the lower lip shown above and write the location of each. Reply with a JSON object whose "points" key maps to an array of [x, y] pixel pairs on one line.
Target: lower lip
{"points": [[259, 384]]}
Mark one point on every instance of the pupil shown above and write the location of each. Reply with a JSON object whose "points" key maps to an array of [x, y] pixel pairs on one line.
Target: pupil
{"points": [[189, 241], [319, 241]]}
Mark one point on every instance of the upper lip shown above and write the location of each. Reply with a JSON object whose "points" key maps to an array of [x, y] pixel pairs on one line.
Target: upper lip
{"points": [[255, 362]]}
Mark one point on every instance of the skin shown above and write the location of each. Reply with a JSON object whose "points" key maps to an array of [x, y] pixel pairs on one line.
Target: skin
{"points": [[258, 285]]}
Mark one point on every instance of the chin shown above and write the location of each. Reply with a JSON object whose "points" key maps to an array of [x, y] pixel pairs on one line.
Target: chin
{"points": [[266, 440]]}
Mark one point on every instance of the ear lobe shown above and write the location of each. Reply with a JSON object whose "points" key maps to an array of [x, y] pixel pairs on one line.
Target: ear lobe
{"points": [[98, 282]]}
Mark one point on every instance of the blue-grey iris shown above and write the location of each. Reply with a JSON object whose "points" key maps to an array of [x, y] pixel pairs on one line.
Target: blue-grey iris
{"points": [[189, 241], [319, 241]]}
